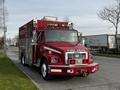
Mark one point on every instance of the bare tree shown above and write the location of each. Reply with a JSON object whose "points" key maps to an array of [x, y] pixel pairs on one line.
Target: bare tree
{"points": [[112, 15], [16, 40], [1, 42]]}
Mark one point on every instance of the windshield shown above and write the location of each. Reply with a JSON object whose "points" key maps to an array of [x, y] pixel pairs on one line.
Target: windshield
{"points": [[61, 36]]}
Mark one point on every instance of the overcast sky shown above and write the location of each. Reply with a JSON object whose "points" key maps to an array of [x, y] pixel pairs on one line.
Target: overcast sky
{"points": [[83, 13]]}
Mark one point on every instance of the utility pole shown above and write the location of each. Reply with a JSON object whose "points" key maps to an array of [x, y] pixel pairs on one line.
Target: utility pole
{"points": [[4, 28]]}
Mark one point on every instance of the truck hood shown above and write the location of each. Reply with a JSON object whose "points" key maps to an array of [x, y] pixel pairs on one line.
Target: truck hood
{"points": [[66, 47]]}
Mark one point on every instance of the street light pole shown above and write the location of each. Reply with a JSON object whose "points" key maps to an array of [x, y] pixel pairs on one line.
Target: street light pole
{"points": [[4, 27]]}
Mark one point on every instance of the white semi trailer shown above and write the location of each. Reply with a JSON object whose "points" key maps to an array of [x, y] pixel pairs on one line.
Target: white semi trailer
{"points": [[100, 42]]}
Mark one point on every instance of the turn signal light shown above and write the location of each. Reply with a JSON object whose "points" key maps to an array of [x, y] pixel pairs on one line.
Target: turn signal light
{"points": [[72, 61]]}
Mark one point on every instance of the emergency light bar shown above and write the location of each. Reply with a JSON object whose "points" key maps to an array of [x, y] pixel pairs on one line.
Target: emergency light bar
{"points": [[50, 18]]}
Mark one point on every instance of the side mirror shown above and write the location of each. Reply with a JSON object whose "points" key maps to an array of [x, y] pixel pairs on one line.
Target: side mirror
{"points": [[80, 37]]}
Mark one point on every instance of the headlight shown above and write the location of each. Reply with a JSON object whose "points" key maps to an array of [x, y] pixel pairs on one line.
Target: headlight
{"points": [[54, 60]]}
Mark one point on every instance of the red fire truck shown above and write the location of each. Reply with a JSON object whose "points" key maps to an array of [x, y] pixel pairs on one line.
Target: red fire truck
{"points": [[54, 47]]}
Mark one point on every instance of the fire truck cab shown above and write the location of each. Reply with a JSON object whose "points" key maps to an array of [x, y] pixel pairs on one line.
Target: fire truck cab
{"points": [[54, 47]]}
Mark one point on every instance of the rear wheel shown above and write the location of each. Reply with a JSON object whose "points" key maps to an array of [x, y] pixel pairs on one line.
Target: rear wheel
{"points": [[23, 60], [44, 71]]}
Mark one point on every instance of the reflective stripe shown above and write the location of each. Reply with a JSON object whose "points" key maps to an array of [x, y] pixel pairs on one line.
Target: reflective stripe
{"points": [[56, 70], [52, 49]]}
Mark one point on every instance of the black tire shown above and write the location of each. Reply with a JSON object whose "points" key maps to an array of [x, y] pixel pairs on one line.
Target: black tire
{"points": [[23, 60], [44, 71]]}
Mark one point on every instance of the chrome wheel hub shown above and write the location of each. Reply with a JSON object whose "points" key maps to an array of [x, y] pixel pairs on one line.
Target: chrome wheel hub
{"points": [[44, 70]]}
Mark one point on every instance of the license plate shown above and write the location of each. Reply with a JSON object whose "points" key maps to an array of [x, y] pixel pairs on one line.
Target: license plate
{"points": [[79, 61]]}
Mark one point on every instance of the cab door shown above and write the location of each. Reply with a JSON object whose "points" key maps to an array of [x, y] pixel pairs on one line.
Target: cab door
{"points": [[38, 49]]}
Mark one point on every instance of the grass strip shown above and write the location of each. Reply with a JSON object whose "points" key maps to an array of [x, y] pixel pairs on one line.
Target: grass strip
{"points": [[11, 78]]}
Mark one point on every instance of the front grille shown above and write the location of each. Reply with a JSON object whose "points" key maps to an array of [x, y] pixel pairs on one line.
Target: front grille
{"points": [[78, 56]]}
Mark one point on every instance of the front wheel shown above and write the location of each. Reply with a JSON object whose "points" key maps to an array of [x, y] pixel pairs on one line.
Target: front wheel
{"points": [[44, 71]]}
